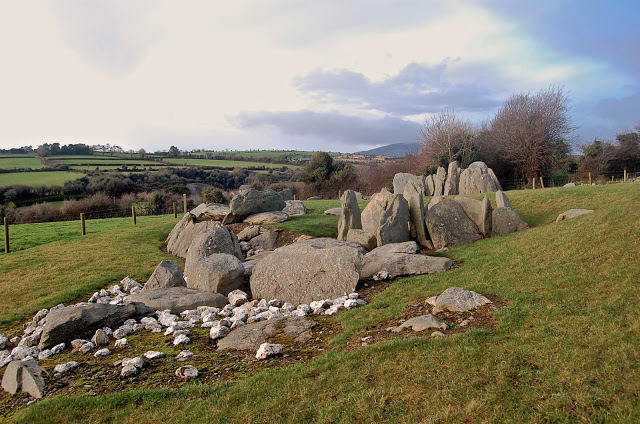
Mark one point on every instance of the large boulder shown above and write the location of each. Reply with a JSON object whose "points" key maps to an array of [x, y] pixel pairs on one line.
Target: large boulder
{"points": [[448, 225], [451, 184], [25, 376], [401, 179], [479, 212], [217, 273], [372, 213], [286, 194], [251, 202], [394, 224], [266, 218], [251, 336], [572, 213], [399, 259], [266, 240], [295, 208], [439, 180], [303, 272], [200, 218], [417, 227], [166, 274], [505, 221], [502, 201], [82, 321], [350, 215], [214, 240], [456, 299], [248, 233], [178, 299], [478, 178]]}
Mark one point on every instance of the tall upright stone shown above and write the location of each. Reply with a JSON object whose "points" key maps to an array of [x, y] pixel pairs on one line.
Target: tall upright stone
{"points": [[394, 224], [415, 201], [350, 216], [448, 225], [217, 239], [372, 213], [429, 185], [451, 184], [401, 179], [439, 180], [479, 212], [477, 179], [502, 201]]}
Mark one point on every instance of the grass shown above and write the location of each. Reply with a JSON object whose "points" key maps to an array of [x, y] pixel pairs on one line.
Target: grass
{"points": [[565, 348], [58, 264], [226, 163], [91, 160], [38, 178], [314, 222], [20, 162]]}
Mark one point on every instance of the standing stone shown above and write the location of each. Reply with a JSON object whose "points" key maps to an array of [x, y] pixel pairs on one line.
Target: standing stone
{"points": [[479, 212], [417, 227], [367, 240], [478, 178], [167, 274], [505, 221], [214, 240], [350, 216], [286, 194], [394, 224], [451, 185], [448, 225], [295, 208], [429, 185], [217, 273], [401, 179], [439, 180], [502, 201], [372, 213], [25, 376]]}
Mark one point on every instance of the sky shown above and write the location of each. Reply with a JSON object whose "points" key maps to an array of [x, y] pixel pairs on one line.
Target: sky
{"points": [[331, 75]]}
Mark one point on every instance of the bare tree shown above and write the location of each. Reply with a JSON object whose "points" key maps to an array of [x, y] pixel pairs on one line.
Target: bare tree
{"points": [[530, 130], [445, 138]]}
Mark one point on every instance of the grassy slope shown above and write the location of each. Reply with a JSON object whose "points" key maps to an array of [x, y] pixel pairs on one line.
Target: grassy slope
{"points": [[52, 272], [565, 348], [38, 178], [20, 162]]}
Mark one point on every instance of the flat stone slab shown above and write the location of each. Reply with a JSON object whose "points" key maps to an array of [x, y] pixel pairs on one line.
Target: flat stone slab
{"points": [[424, 322], [572, 213], [333, 211], [456, 299], [267, 218], [251, 336], [178, 299], [402, 259]]}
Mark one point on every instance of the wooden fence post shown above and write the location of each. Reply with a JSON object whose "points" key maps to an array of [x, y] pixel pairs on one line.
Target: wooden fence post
{"points": [[534, 182], [175, 212], [625, 175], [133, 214], [184, 202], [589, 178], [82, 226], [541, 183], [6, 235]]}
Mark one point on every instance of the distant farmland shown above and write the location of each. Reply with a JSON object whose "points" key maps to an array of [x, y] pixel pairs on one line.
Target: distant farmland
{"points": [[20, 162], [38, 178]]}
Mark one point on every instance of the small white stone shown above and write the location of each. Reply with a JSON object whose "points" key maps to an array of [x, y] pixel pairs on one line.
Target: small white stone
{"points": [[219, 332], [57, 348], [187, 372], [102, 352], [62, 368], [304, 308], [236, 324], [137, 362], [209, 324], [275, 302], [353, 296], [267, 350], [184, 355], [108, 331], [351, 303], [45, 354], [181, 339], [153, 354], [86, 348], [361, 302], [128, 371], [318, 304], [263, 304], [120, 342]]}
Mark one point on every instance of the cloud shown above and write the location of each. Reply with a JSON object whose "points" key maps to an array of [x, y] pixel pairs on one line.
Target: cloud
{"points": [[333, 127], [112, 36], [416, 89], [625, 112]]}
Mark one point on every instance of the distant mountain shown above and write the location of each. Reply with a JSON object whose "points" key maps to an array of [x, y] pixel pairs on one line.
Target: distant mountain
{"points": [[397, 149]]}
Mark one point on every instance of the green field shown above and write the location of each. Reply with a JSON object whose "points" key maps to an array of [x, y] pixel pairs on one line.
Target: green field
{"points": [[226, 163], [563, 345], [89, 160], [293, 154], [38, 178], [20, 162]]}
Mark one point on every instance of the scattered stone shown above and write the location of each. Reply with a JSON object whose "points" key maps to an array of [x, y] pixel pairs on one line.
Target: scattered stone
{"points": [[86, 348], [128, 371], [267, 218], [424, 322], [268, 350], [64, 324], [4, 341], [129, 284], [237, 297], [569, 185], [264, 242], [506, 221], [333, 211], [218, 332], [153, 354], [102, 352], [456, 299], [437, 334], [62, 368], [184, 355], [572, 213], [350, 215], [100, 338], [181, 339], [58, 348], [45, 354], [187, 372], [120, 343], [136, 362], [167, 274]]}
